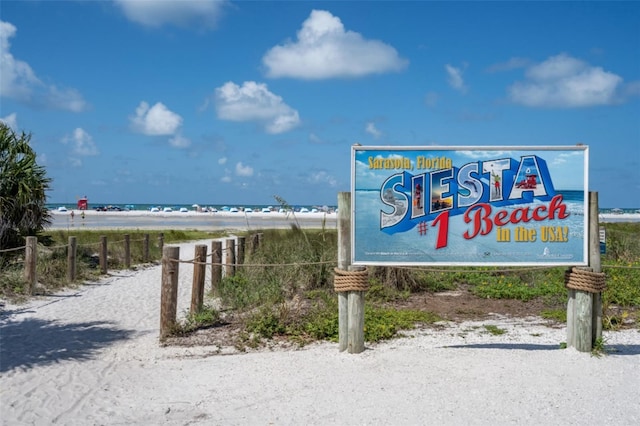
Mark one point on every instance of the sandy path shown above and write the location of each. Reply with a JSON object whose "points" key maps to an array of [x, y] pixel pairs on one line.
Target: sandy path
{"points": [[91, 357]]}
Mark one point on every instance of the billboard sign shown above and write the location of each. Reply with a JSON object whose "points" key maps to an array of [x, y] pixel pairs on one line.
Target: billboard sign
{"points": [[469, 205]]}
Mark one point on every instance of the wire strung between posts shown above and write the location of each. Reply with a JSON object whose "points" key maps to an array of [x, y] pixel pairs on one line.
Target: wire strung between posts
{"points": [[58, 247], [250, 265], [13, 249], [619, 267], [329, 262]]}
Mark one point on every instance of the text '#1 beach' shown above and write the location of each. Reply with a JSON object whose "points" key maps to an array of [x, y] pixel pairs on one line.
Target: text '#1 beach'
{"points": [[470, 205]]}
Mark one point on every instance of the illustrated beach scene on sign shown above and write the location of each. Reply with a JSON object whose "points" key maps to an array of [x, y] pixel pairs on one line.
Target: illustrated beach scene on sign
{"points": [[470, 205]]}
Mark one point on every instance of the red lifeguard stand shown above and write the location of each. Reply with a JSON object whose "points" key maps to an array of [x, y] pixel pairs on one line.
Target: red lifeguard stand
{"points": [[83, 203]]}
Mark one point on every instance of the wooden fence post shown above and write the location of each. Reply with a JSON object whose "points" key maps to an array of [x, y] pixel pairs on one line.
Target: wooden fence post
{"points": [[127, 251], [145, 248], [240, 250], [71, 259], [103, 254], [30, 262], [216, 266], [197, 287], [169, 291], [230, 258], [161, 242]]}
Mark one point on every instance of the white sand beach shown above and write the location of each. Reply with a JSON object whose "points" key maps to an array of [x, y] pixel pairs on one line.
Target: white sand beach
{"points": [[209, 221], [91, 356]]}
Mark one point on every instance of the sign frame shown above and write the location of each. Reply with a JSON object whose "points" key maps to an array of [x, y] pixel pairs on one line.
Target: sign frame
{"points": [[535, 211]]}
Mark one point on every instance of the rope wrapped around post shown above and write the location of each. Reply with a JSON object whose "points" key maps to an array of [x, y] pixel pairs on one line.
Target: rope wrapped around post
{"points": [[583, 280], [350, 280]]}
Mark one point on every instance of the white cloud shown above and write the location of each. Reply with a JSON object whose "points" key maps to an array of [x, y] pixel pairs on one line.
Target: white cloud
{"points": [[254, 102], [81, 143], [181, 13], [511, 64], [20, 82], [179, 141], [483, 155], [225, 179], [431, 99], [242, 170], [75, 162], [324, 49], [11, 120], [632, 88], [18, 79], [222, 161], [372, 130], [67, 99], [565, 82], [314, 138], [454, 77], [564, 157], [155, 121], [322, 177]]}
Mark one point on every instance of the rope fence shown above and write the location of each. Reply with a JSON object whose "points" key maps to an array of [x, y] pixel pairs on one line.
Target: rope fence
{"points": [[228, 254], [13, 249], [254, 265], [214, 259], [31, 250]]}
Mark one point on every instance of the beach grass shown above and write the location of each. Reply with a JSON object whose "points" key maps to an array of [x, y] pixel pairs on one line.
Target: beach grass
{"points": [[295, 298], [285, 287], [51, 267]]}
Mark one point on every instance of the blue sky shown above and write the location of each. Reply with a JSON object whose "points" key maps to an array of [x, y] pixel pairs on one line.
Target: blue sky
{"points": [[218, 102]]}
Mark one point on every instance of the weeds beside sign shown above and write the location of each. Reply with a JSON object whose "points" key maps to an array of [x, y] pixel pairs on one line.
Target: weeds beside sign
{"points": [[469, 205]]}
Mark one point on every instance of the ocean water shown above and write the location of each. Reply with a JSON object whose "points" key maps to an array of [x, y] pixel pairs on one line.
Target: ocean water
{"points": [[177, 207], [568, 195]]}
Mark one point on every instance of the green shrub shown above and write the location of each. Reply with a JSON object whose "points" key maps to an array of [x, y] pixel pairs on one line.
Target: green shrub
{"points": [[205, 317], [623, 284], [559, 315], [238, 292], [378, 292], [522, 285], [494, 330], [383, 323], [266, 323]]}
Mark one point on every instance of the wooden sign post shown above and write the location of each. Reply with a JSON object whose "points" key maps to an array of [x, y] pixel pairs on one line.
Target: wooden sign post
{"points": [[585, 286], [350, 284]]}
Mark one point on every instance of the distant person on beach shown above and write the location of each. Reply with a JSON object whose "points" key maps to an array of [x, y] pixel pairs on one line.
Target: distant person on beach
{"points": [[72, 216]]}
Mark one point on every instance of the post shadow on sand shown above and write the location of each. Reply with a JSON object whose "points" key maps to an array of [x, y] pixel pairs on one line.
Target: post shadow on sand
{"points": [[609, 349], [33, 342]]}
